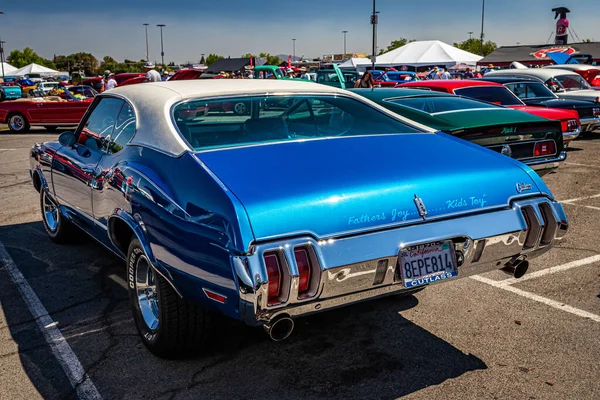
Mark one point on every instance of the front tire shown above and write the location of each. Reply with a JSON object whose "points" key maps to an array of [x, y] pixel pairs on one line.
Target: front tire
{"points": [[17, 123], [170, 327], [57, 227]]}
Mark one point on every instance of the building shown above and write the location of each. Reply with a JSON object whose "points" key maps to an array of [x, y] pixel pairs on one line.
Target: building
{"points": [[537, 54]]}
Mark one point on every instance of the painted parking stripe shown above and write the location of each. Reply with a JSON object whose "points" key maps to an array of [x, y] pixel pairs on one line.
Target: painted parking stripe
{"points": [[553, 270], [583, 205], [552, 303], [582, 165], [580, 198], [80, 381]]}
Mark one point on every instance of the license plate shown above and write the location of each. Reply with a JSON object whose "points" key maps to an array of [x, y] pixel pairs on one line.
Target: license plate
{"points": [[427, 263]]}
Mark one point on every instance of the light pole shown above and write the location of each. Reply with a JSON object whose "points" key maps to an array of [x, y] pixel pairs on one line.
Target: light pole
{"points": [[293, 50], [162, 49], [2, 52], [482, 19], [470, 35], [374, 21], [147, 52], [344, 32]]}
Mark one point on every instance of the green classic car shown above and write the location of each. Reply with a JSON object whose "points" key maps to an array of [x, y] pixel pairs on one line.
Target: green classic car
{"points": [[532, 140]]}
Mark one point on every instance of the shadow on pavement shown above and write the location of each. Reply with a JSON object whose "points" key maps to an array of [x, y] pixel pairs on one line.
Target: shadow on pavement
{"points": [[363, 351]]}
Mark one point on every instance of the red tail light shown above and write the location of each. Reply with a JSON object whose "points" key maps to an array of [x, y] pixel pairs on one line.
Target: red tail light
{"points": [[304, 270], [274, 275], [544, 148], [596, 112], [571, 125]]}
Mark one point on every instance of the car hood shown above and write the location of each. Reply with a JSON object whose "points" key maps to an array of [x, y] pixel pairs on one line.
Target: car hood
{"points": [[331, 187]]}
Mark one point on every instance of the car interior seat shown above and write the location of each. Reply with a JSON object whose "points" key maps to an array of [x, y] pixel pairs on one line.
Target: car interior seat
{"points": [[263, 129]]}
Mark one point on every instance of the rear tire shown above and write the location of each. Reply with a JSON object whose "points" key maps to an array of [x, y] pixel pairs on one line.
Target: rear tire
{"points": [[17, 123], [57, 227], [170, 327]]}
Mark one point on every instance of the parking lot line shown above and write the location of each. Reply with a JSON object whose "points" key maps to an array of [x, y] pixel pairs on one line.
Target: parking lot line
{"points": [[69, 362], [580, 198], [552, 270], [552, 303], [582, 165]]}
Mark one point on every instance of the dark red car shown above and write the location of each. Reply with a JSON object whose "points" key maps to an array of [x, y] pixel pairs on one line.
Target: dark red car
{"points": [[498, 94]]}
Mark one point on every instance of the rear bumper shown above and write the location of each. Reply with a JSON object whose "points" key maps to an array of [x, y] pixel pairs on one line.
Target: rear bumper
{"points": [[570, 136], [547, 164], [589, 124], [363, 267]]}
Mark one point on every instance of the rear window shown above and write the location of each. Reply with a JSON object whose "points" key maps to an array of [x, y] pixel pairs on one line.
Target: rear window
{"points": [[434, 105], [262, 119], [492, 94], [572, 82], [529, 90]]}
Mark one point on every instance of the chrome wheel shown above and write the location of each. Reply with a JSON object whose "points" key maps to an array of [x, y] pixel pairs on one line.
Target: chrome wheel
{"points": [[50, 212], [17, 123], [145, 284]]}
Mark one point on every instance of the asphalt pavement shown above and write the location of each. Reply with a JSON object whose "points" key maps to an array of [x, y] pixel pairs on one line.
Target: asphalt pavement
{"points": [[485, 338]]}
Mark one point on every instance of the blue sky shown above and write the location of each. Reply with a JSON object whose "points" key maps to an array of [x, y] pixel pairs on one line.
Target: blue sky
{"points": [[234, 27]]}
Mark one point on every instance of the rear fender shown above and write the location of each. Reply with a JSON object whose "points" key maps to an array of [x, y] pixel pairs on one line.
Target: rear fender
{"points": [[137, 227]]}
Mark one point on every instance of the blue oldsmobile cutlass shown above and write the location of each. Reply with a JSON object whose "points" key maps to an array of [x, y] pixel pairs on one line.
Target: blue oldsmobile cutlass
{"points": [[320, 200]]}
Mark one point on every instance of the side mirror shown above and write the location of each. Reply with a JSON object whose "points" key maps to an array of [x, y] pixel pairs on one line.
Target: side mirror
{"points": [[67, 139]]}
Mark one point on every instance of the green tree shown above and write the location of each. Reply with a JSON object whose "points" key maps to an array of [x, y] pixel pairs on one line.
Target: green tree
{"points": [[474, 46], [248, 55], [212, 58], [587, 41], [395, 44], [271, 60], [20, 58]]}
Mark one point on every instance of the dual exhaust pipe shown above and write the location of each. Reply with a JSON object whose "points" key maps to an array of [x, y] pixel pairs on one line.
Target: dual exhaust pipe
{"points": [[281, 327], [517, 269]]}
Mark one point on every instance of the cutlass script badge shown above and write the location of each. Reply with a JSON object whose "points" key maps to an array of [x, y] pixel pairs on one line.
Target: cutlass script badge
{"points": [[507, 130], [420, 206], [521, 187]]}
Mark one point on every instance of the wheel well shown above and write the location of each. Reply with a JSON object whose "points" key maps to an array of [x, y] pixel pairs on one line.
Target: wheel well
{"points": [[121, 234], [37, 182]]}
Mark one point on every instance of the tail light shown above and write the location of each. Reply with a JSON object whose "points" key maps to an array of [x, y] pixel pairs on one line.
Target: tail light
{"points": [[572, 125], [275, 275], [544, 148], [596, 112], [304, 270]]}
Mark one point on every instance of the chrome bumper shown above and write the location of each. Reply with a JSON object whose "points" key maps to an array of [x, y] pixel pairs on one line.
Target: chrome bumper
{"points": [[589, 124], [570, 136], [546, 163], [363, 267]]}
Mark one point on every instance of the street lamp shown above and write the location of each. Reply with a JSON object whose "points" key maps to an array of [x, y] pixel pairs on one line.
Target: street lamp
{"points": [[470, 35], [482, 19], [162, 49], [2, 52], [374, 22], [147, 52], [293, 50], [344, 32]]}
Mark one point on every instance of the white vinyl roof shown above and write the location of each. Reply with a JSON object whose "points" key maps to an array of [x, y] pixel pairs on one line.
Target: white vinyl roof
{"points": [[426, 52], [153, 102]]}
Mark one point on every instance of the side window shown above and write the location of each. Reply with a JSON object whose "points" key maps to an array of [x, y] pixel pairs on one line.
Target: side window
{"points": [[123, 131], [101, 122]]}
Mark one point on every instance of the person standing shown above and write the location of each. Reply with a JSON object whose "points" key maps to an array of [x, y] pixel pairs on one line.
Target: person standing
{"points": [[445, 75], [109, 81], [365, 81], [165, 76], [152, 75], [469, 74]]}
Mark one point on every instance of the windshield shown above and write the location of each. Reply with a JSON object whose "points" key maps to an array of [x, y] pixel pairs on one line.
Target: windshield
{"points": [[530, 90], [492, 94], [262, 119], [434, 105], [572, 82]]}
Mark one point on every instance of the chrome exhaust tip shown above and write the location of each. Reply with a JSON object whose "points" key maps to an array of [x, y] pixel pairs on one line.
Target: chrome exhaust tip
{"points": [[518, 269], [280, 328]]}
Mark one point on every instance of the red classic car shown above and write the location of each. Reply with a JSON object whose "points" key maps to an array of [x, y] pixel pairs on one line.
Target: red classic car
{"points": [[125, 76], [498, 94], [50, 112]]}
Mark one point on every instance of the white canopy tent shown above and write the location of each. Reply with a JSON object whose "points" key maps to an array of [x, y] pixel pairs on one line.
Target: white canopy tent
{"points": [[34, 68], [426, 52], [8, 69], [354, 63]]}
